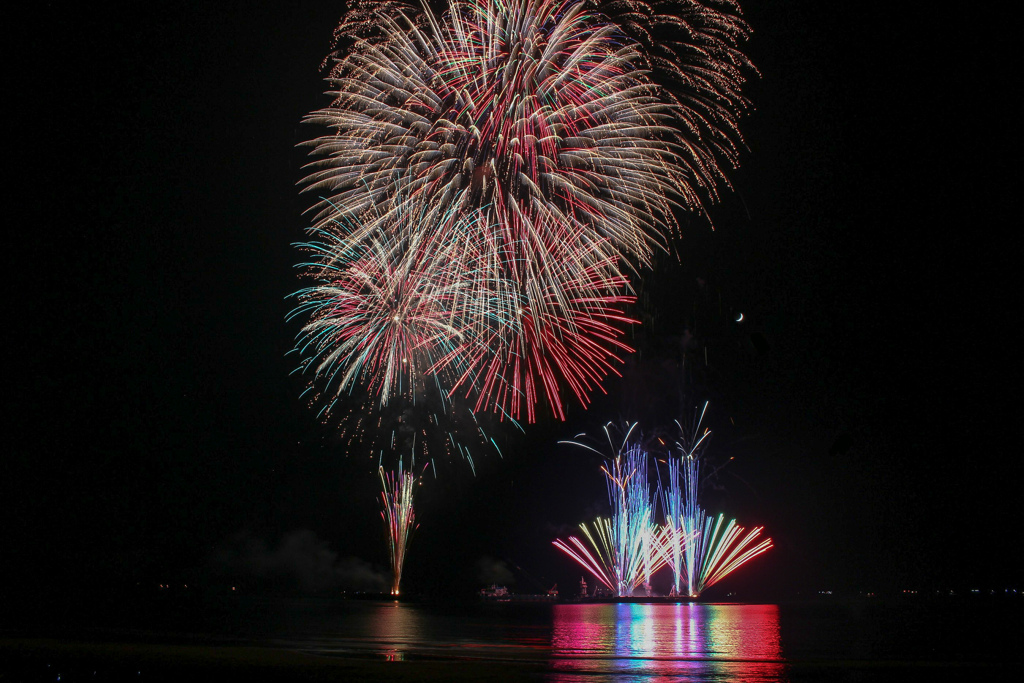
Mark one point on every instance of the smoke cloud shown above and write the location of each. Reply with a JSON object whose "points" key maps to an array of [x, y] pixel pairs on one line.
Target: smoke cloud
{"points": [[301, 559], [490, 570]]}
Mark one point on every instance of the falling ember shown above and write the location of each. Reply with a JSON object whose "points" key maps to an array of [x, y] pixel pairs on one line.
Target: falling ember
{"points": [[399, 517]]}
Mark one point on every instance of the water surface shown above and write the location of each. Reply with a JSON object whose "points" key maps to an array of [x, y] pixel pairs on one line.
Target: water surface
{"points": [[820, 640], [696, 642]]}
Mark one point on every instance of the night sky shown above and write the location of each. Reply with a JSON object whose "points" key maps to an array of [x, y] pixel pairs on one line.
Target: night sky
{"points": [[870, 398]]}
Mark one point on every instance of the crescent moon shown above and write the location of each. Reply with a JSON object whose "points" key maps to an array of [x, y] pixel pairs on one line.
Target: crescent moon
{"points": [[740, 319]]}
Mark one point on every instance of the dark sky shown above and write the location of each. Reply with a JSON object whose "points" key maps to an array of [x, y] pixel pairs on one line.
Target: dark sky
{"points": [[871, 398]]}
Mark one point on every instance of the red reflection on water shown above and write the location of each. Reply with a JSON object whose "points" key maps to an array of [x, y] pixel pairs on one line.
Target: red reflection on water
{"points": [[691, 640]]}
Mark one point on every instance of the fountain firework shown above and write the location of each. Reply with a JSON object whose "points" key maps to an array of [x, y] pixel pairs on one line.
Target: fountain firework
{"points": [[399, 517], [695, 545], [626, 548], [679, 501], [622, 546]]}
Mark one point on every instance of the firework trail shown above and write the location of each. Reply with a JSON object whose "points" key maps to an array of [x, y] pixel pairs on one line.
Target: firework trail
{"points": [[718, 551], [675, 537], [527, 139], [629, 493], [676, 540], [398, 516], [621, 552], [694, 545]]}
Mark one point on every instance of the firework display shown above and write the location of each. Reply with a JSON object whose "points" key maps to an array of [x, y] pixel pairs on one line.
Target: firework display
{"points": [[399, 517], [717, 551], [491, 177], [695, 545], [679, 536], [625, 549], [622, 545]]}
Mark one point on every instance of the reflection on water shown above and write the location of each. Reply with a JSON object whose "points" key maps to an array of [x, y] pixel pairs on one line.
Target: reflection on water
{"points": [[705, 642], [398, 629], [388, 630], [817, 640], [590, 643]]}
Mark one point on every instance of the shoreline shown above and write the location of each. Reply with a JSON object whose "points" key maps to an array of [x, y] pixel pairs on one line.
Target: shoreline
{"points": [[26, 658], [73, 659]]}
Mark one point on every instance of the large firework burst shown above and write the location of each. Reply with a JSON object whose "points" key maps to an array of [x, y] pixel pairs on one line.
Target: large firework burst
{"points": [[531, 147], [536, 110], [525, 143]]}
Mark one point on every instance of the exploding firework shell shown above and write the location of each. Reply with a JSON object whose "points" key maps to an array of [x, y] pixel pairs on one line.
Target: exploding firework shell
{"points": [[539, 159], [381, 311], [533, 119]]}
